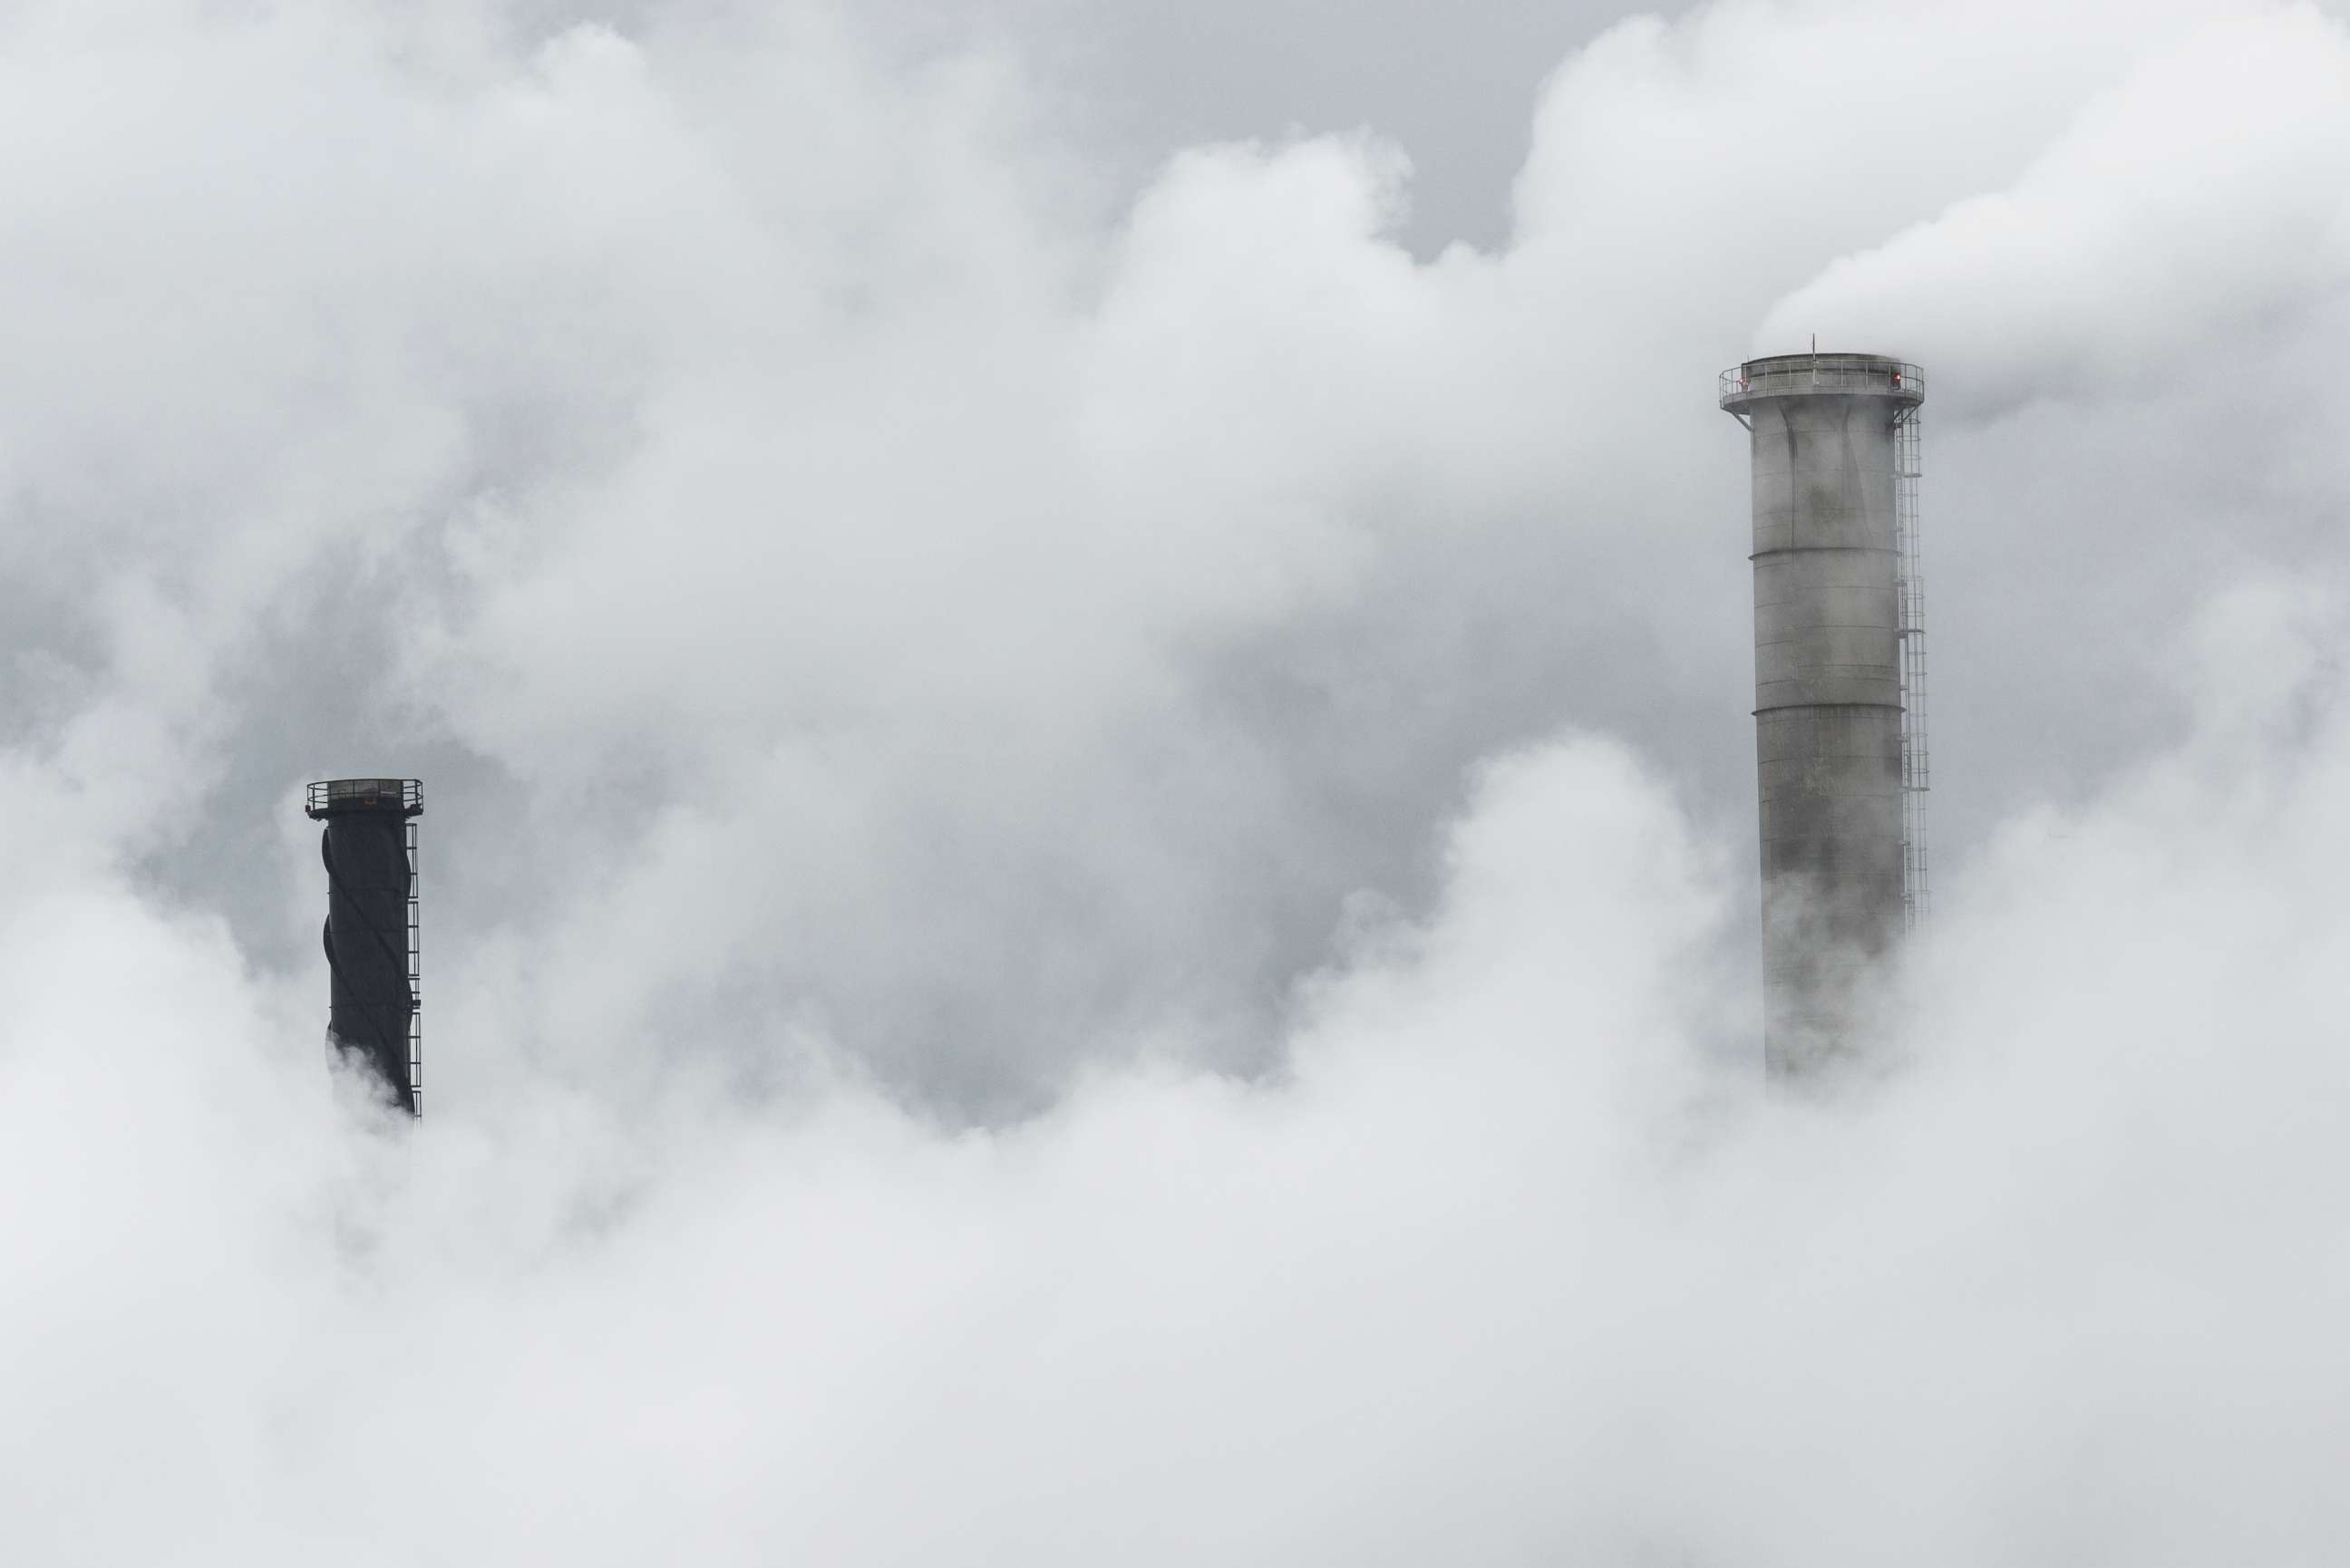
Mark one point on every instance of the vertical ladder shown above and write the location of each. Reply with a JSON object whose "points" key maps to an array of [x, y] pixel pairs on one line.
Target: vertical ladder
{"points": [[1909, 590], [415, 984]]}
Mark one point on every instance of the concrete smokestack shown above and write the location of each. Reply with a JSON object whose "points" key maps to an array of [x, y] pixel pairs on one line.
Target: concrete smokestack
{"points": [[370, 847], [1831, 606]]}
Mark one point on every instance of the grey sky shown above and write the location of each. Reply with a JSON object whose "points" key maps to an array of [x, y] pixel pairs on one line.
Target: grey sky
{"points": [[1130, 81], [1453, 85]]}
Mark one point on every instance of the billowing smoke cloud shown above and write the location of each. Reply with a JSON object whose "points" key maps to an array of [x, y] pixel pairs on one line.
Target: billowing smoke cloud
{"points": [[1501, 1271], [1088, 862], [2184, 219]]}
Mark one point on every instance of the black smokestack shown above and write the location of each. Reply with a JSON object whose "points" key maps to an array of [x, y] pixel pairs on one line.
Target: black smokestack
{"points": [[370, 847]]}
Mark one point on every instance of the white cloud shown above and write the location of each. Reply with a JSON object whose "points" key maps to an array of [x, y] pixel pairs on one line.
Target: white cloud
{"points": [[1501, 1270], [957, 1026], [2193, 206]]}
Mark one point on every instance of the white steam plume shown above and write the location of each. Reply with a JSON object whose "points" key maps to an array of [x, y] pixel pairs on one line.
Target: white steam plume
{"points": [[1500, 1272], [1015, 969]]}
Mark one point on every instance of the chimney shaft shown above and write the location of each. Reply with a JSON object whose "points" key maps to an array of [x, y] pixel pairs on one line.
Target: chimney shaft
{"points": [[370, 847], [1828, 686]]}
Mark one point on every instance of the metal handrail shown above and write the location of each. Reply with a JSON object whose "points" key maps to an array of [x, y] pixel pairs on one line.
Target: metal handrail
{"points": [[1803, 373], [405, 795]]}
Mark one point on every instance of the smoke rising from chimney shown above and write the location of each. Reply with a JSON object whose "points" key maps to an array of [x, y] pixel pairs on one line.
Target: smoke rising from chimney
{"points": [[1105, 905]]}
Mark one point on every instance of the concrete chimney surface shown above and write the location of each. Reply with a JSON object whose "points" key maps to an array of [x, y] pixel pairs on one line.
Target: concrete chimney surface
{"points": [[1828, 686]]}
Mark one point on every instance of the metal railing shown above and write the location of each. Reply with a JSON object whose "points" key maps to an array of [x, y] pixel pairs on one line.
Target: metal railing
{"points": [[1909, 589], [415, 980], [406, 796], [1794, 374]]}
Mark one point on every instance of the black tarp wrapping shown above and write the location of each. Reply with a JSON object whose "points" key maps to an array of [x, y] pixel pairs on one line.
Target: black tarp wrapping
{"points": [[367, 943]]}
